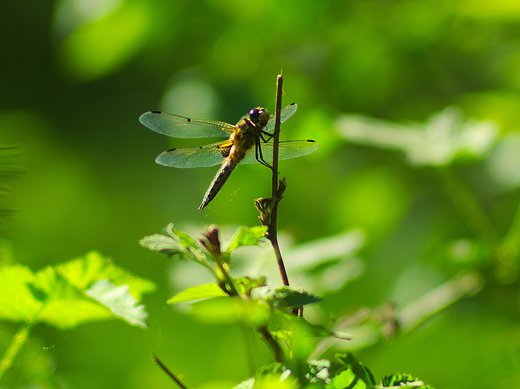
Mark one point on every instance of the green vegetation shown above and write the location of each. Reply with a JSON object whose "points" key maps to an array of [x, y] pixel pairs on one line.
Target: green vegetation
{"points": [[405, 222]]}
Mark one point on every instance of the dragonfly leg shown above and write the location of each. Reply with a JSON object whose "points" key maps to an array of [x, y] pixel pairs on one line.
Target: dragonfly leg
{"points": [[259, 157], [268, 134]]}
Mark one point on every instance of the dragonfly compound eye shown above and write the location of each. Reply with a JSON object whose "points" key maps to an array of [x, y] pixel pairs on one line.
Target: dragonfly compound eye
{"points": [[259, 116], [254, 114]]}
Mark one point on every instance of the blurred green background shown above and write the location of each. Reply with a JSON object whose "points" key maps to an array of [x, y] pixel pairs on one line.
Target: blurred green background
{"points": [[76, 74]]}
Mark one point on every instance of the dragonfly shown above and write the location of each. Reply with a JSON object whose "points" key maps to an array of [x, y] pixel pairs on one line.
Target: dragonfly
{"points": [[248, 143]]}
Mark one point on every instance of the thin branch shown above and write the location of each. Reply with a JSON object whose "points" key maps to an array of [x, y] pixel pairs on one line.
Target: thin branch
{"points": [[211, 242], [276, 194], [19, 339], [273, 346], [276, 133], [167, 371]]}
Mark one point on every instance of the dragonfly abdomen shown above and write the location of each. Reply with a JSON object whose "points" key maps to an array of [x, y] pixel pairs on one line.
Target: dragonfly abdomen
{"points": [[218, 181]]}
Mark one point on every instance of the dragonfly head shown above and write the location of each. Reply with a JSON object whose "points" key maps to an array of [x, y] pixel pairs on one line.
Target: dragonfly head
{"points": [[259, 116]]}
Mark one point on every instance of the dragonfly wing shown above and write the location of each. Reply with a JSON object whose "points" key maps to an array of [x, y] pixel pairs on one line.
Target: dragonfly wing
{"points": [[285, 114], [181, 127], [288, 149], [191, 157]]}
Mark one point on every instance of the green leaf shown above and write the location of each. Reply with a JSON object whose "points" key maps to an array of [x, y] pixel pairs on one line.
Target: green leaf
{"points": [[320, 330], [185, 240], [119, 300], [288, 297], [348, 362], [160, 243], [247, 384], [273, 376], [83, 271], [272, 368], [246, 236], [347, 379], [197, 292], [58, 295], [297, 333], [274, 382], [174, 243], [17, 301], [245, 285], [403, 381], [63, 305], [226, 310]]}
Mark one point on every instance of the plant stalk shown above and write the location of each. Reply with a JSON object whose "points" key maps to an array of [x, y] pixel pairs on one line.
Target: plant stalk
{"points": [[272, 233], [19, 339], [168, 372]]}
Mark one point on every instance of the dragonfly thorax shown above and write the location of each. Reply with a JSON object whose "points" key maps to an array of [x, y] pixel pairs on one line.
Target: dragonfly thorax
{"points": [[249, 128]]}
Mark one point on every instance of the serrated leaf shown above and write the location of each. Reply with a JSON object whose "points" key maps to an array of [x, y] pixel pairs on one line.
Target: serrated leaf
{"points": [[63, 305], [174, 243], [83, 271], [288, 297], [119, 300], [164, 243], [403, 381], [348, 361], [160, 243], [56, 294], [246, 236], [197, 293]]}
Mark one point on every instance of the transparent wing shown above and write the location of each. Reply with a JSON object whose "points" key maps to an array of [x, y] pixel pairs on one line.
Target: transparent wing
{"points": [[181, 127], [285, 114], [288, 149], [190, 157]]}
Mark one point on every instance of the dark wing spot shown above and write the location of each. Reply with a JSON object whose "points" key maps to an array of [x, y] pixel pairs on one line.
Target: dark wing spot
{"points": [[188, 120], [155, 111]]}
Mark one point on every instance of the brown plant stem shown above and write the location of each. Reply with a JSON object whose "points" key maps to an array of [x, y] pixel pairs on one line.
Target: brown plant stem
{"points": [[167, 371], [276, 194]]}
